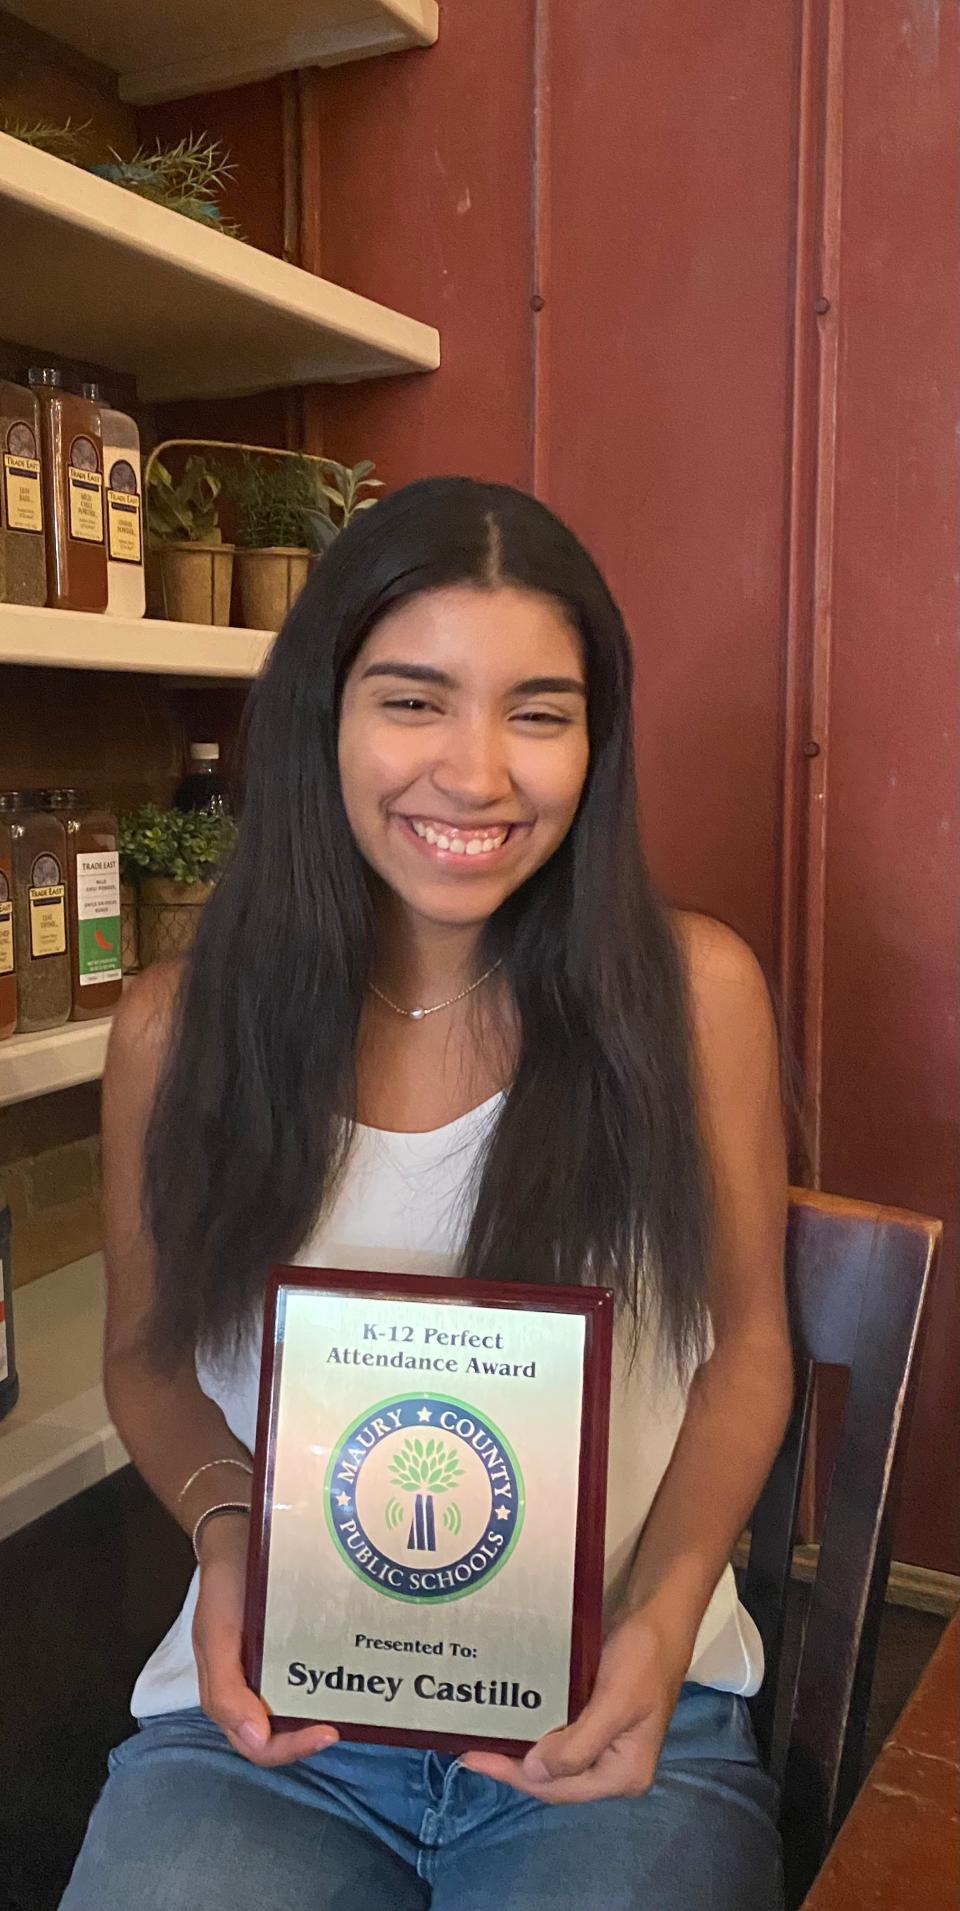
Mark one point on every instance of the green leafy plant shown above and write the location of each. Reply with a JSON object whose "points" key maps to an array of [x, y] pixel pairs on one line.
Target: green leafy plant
{"points": [[273, 501], [340, 492], [183, 846], [186, 510], [428, 1465], [186, 178], [296, 501], [64, 141]]}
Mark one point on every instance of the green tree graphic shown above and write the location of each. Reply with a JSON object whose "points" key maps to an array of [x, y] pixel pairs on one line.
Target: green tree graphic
{"points": [[432, 1465], [424, 1468]]}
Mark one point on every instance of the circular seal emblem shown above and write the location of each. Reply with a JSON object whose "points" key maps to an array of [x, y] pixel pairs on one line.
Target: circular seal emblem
{"points": [[21, 441], [46, 872], [424, 1498], [84, 455], [123, 477]]}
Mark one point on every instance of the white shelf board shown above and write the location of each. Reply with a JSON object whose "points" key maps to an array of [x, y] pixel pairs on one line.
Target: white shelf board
{"points": [[173, 48], [59, 1438], [32, 1065], [80, 640], [190, 313]]}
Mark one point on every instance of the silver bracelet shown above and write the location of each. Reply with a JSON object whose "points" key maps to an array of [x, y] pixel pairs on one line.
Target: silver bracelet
{"points": [[223, 1506], [208, 1467]]}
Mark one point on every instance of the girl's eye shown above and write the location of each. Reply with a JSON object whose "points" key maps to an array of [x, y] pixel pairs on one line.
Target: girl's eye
{"points": [[414, 704], [555, 718]]}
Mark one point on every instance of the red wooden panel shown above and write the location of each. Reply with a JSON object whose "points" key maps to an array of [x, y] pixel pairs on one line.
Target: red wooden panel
{"points": [[667, 319], [426, 206], [892, 950]]}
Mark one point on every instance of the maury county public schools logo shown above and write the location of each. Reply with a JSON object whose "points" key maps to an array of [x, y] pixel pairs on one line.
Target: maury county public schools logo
{"points": [[424, 1498]]}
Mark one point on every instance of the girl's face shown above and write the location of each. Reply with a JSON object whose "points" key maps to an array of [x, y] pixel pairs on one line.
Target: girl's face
{"points": [[463, 746]]}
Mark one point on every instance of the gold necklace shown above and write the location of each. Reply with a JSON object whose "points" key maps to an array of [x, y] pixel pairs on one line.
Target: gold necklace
{"points": [[417, 1015]]}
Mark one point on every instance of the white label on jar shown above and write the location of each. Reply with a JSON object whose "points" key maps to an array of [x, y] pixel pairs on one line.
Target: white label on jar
{"points": [[21, 487], [48, 921], [7, 963], [98, 918], [86, 505]]}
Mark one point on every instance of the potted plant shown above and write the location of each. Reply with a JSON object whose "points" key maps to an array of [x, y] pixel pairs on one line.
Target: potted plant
{"points": [[174, 857], [272, 503], [288, 513], [196, 565]]}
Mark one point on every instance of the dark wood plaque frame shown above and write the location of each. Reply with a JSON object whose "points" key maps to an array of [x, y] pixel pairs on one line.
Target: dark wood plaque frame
{"points": [[595, 1305]]}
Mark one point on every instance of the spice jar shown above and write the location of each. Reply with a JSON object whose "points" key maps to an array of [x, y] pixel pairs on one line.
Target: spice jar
{"points": [[23, 562], [8, 947], [126, 592], [72, 458], [44, 994], [93, 897]]}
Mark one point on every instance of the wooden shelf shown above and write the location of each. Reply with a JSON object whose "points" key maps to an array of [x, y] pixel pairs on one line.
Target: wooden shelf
{"points": [[59, 1438], [173, 48], [78, 640], [188, 312], [32, 1065]]}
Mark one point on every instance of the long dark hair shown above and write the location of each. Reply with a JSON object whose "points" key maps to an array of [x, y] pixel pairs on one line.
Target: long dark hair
{"points": [[595, 1167]]}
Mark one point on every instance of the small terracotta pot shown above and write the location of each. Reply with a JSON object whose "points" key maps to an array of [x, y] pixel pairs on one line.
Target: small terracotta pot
{"points": [[169, 917], [129, 937], [270, 582], [197, 582]]}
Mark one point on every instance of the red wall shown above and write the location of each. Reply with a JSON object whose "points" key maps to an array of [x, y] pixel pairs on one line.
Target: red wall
{"points": [[892, 945], [636, 170]]}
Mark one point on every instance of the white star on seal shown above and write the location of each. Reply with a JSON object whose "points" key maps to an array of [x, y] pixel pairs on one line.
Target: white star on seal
{"points": [[343, 1499], [503, 1512], [424, 1414]]}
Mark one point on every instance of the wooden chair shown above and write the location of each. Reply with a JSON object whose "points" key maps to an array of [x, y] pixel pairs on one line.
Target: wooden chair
{"points": [[856, 1279]]}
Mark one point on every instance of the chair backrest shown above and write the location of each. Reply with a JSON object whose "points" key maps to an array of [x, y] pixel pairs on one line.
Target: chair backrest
{"points": [[856, 1279]]}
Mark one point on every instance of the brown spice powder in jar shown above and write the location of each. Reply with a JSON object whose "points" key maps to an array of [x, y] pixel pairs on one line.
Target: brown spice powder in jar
{"points": [[8, 947], [72, 457], [40, 919]]}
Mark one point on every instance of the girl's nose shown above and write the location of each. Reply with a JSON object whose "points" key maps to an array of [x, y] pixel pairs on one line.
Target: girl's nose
{"points": [[474, 769]]}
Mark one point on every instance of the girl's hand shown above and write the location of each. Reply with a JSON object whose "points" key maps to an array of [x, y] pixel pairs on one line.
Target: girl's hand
{"points": [[217, 1631], [612, 1749]]}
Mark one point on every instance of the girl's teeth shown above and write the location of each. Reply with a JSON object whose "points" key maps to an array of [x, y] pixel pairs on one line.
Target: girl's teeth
{"points": [[459, 845]]}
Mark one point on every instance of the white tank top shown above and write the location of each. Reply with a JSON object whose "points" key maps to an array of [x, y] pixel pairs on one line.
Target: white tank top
{"points": [[401, 1207]]}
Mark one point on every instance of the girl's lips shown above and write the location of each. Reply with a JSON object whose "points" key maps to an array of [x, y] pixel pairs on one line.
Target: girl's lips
{"points": [[459, 859]]}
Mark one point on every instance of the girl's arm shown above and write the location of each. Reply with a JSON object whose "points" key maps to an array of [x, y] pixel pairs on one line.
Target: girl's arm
{"points": [[737, 1408], [168, 1425]]}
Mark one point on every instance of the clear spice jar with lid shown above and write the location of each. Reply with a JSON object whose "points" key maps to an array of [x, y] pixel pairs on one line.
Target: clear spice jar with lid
{"points": [[72, 458], [8, 947], [44, 993], [93, 897], [23, 562], [122, 478]]}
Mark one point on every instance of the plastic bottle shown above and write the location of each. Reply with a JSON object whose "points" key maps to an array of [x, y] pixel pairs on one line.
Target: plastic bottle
{"points": [[9, 1384], [23, 560], [203, 788], [8, 946], [123, 485], [44, 994], [93, 892], [71, 453]]}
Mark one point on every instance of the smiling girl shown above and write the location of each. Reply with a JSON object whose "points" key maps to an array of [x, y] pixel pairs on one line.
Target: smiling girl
{"points": [[437, 1021]]}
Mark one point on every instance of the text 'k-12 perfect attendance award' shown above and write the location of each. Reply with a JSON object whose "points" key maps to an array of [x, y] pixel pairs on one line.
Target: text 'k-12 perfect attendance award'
{"points": [[426, 1560]]}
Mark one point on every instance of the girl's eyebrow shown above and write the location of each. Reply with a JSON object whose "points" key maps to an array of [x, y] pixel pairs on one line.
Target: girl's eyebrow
{"points": [[426, 673]]}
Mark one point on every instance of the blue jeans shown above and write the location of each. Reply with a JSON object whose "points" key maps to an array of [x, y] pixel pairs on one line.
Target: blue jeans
{"points": [[185, 1824]]}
